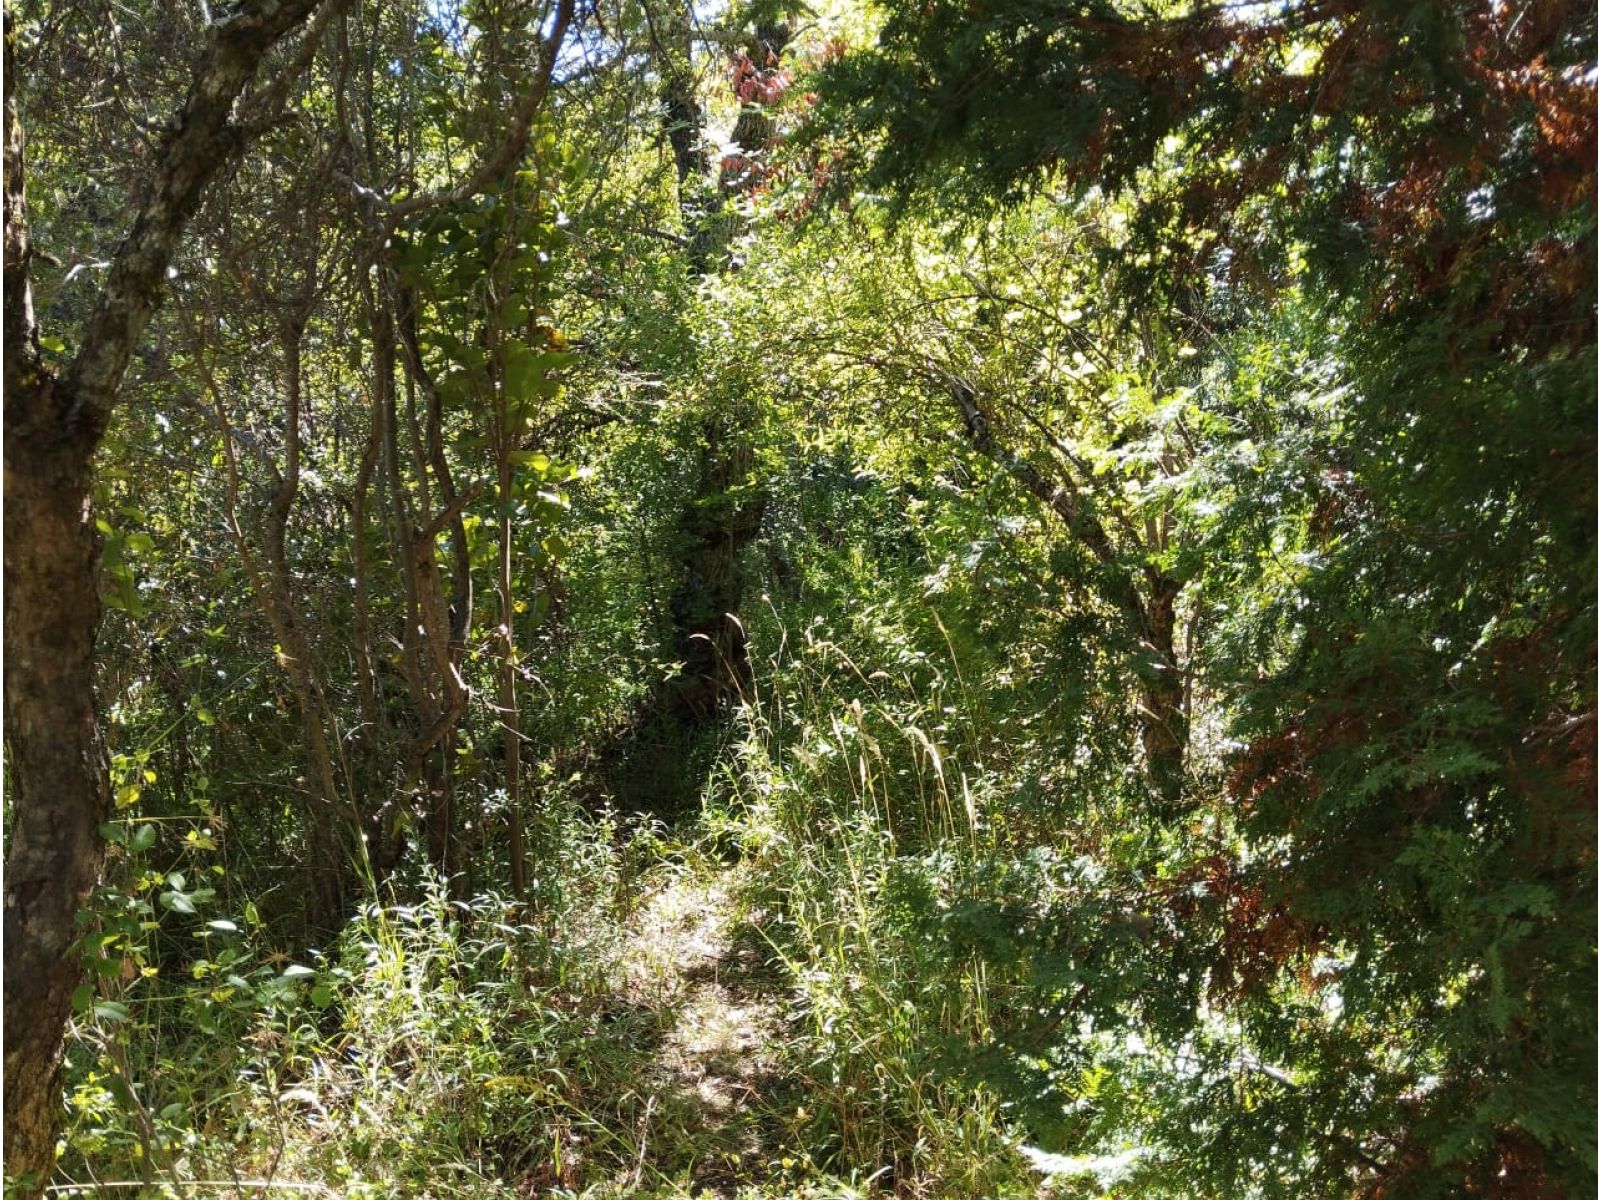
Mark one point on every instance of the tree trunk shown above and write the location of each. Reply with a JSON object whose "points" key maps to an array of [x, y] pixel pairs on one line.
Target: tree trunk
{"points": [[448, 622], [1163, 717], [709, 638], [327, 863], [658, 757], [59, 782], [510, 722], [684, 118], [271, 583], [58, 774], [1150, 613]]}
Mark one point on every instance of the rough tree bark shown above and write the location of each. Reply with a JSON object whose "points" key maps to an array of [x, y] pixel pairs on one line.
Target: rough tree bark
{"points": [[53, 423], [708, 637], [1163, 716]]}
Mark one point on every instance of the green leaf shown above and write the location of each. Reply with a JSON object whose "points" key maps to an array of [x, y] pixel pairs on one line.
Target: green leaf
{"points": [[111, 1010], [177, 902], [296, 971], [223, 926], [528, 370], [144, 838]]}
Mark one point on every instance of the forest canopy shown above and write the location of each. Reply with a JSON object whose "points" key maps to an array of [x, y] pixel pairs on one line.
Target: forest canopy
{"points": [[982, 599]]}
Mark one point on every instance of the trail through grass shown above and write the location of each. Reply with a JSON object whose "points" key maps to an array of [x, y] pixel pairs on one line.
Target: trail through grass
{"points": [[631, 1032], [692, 953]]}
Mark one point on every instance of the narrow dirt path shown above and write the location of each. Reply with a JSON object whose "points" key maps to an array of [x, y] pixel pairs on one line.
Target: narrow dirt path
{"points": [[718, 1070]]}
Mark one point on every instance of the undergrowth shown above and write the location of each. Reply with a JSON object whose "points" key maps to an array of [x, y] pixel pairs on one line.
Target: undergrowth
{"points": [[481, 1048], [840, 782]]}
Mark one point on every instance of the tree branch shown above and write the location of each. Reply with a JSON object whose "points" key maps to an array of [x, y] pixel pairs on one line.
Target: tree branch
{"points": [[437, 526], [21, 329], [518, 127], [1114, 582], [203, 141]]}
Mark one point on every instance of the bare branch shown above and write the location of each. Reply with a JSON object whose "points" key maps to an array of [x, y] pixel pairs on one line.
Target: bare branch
{"points": [[437, 526]]}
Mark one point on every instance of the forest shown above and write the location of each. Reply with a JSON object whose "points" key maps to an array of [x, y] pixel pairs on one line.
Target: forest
{"points": [[800, 600]]}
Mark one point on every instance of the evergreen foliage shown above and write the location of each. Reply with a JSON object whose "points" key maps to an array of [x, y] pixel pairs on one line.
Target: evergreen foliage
{"points": [[933, 600]]}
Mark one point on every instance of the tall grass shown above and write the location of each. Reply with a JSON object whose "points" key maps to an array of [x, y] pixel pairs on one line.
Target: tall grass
{"points": [[844, 777], [445, 1048]]}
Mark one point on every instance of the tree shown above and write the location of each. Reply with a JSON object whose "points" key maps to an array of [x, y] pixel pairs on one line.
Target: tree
{"points": [[56, 415], [1417, 700], [1008, 344], [55, 418], [723, 509]]}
